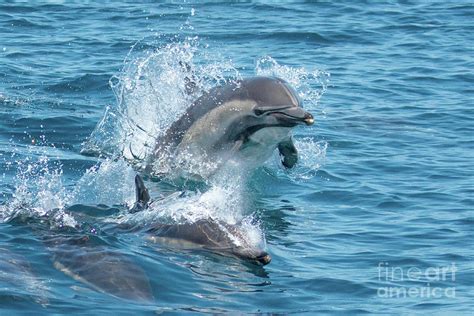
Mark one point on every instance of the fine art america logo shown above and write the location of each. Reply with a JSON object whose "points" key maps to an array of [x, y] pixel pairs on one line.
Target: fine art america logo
{"points": [[414, 282]]}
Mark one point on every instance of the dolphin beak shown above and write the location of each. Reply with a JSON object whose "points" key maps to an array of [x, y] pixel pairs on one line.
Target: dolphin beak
{"points": [[309, 120], [264, 259], [294, 115]]}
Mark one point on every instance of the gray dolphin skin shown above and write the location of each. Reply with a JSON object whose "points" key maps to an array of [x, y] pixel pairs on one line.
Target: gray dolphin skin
{"points": [[88, 258], [208, 234], [101, 268], [250, 117], [15, 271]]}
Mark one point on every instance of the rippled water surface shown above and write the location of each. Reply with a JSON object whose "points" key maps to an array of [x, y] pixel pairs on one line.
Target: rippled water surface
{"points": [[376, 218]]}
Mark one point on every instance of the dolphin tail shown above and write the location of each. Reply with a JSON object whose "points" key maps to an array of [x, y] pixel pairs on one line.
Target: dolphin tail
{"points": [[142, 195]]}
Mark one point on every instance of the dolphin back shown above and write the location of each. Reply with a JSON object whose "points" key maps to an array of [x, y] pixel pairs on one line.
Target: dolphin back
{"points": [[103, 269]]}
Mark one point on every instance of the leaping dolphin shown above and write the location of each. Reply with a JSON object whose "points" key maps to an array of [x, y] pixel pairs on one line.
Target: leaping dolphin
{"points": [[249, 119]]}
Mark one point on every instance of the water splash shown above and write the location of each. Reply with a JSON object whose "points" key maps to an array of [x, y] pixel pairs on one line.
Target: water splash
{"points": [[152, 91], [311, 156], [150, 94], [219, 204], [224, 200], [39, 193], [310, 84], [109, 183]]}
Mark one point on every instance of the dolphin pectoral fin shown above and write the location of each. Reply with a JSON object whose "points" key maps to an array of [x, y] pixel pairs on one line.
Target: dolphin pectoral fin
{"points": [[288, 152], [142, 195]]}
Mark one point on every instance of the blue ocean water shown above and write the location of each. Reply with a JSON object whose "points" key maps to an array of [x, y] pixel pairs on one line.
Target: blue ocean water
{"points": [[376, 218]]}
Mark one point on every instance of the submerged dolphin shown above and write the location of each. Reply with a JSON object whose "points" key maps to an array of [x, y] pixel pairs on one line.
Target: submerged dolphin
{"points": [[249, 118], [100, 267], [213, 235], [16, 273], [86, 256]]}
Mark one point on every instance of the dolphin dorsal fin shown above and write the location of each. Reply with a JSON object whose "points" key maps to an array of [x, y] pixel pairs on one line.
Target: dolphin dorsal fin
{"points": [[142, 195], [141, 191]]}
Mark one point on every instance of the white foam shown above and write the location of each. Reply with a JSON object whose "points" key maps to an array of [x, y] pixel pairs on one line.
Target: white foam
{"points": [[151, 93], [110, 183], [39, 192]]}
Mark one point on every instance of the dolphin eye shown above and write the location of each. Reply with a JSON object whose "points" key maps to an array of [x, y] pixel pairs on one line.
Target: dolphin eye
{"points": [[258, 111]]}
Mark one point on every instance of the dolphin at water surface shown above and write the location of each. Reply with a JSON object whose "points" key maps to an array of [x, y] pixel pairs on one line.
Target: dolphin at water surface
{"points": [[86, 255], [209, 234], [16, 273], [87, 260]]}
